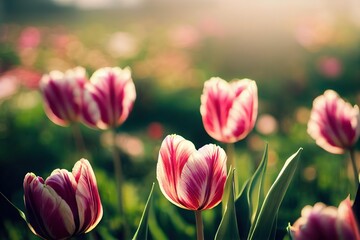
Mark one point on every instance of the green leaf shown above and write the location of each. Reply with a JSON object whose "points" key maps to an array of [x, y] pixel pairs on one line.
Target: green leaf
{"points": [[255, 191], [21, 213], [269, 209], [227, 189], [228, 225], [142, 231], [243, 211]]}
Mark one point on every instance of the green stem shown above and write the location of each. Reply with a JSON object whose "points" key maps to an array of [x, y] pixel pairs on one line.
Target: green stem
{"points": [[79, 141], [119, 179], [355, 169], [199, 225], [230, 152]]}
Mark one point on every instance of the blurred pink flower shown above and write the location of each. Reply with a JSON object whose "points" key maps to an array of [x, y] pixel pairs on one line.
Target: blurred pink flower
{"points": [[8, 86], [334, 123], [329, 66], [62, 94], [189, 178], [30, 37], [185, 37], [326, 223], [65, 205], [108, 97], [123, 45], [229, 110], [25, 76], [155, 130]]}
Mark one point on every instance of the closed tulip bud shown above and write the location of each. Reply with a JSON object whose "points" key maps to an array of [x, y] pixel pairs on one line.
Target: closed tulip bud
{"points": [[62, 94], [66, 204], [229, 110], [326, 223], [108, 98], [189, 178], [334, 123]]}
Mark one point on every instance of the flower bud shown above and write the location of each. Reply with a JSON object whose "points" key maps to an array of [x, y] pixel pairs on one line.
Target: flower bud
{"points": [[62, 94], [66, 204], [334, 123], [229, 110], [108, 98]]}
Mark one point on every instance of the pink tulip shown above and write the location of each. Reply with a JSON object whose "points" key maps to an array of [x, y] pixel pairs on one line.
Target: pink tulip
{"points": [[65, 204], [334, 123], [189, 178], [229, 110], [108, 98], [62, 94], [326, 223]]}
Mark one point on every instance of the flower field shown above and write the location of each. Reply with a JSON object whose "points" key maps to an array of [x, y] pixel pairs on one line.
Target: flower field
{"points": [[198, 121]]}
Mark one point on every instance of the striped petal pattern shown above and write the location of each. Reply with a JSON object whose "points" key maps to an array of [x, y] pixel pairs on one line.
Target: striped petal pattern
{"points": [[334, 123], [229, 110], [189, 178], [65, 204], [108, 97], [62, 93]]}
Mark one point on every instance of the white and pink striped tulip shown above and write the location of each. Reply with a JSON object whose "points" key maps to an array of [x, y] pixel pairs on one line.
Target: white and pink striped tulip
{"points": [[326, 223], [62, 93], [334, 123], [66, 204], [108, 98], [189, 178], [229, 110]]}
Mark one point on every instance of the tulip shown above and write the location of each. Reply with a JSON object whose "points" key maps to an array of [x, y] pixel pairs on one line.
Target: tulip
{"points": [[229, 110], [334, 123], [189, 178], [65, 205], [326, 223], [108, 98], [62, 94]]}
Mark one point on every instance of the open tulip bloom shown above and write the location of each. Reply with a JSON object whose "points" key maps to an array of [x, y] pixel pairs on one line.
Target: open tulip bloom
{"points": [[66, 204], [326, 223], [334, 123], [189, 178], [62, 94], [108, 97], [229, 110]]}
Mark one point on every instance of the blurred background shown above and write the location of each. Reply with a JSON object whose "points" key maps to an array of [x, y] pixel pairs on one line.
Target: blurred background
{"points": [[293, 50]]}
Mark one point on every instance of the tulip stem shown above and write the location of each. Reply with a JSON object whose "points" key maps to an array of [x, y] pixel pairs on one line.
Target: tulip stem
{"points": [[355, 169], [79, 140], [119, 179], [230, 152], [199, 225]]}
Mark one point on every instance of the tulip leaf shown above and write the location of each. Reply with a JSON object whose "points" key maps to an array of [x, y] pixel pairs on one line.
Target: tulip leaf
{"points": [[227, 190], [142, 231], [21, 213], [255, 191], [270, 207], [228, 226], [243, 211]]}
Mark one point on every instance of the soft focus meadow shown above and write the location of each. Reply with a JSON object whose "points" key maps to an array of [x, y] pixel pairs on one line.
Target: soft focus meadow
{"points": [[293, 51]]}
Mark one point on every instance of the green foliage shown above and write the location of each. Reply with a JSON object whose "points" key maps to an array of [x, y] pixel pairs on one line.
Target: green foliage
{"points": [[142, 231], [228, 228], [256, 215]]}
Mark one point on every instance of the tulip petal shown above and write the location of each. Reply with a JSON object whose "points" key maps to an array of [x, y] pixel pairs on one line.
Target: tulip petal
{"points": [[49, 215], [174, 153], [87, 196], [202, 180]]}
